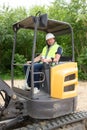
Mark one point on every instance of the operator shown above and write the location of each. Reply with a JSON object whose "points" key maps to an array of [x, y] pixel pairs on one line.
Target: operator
{"points": [[50, 53]]}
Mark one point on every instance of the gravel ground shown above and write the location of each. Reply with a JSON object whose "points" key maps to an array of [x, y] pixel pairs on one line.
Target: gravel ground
{"points": [[82, 93], [82, 96]]}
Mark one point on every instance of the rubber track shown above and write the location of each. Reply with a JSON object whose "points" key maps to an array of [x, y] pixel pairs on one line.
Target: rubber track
{"points": [[57, 122]]}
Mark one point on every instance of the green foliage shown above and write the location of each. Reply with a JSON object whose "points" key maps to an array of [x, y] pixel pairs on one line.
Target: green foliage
{"points": [[24, 43], [7, 18], [82, 62], [19, 61], [65, 43], [58, 10], [76, 14]]}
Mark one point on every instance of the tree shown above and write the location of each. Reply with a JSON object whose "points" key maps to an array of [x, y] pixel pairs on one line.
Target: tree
{"points": [[7, 18], [77, 11], [74, 13]]}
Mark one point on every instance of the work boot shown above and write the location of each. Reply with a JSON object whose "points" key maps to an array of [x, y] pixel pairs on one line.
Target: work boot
{"points": [[36, 90]]}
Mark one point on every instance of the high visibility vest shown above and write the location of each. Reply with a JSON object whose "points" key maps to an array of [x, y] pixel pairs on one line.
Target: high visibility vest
{"points": [[50, 52]]}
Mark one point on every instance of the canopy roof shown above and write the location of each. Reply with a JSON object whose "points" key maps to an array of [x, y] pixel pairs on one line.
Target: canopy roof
{"points": [[53, 26], [42, 23]]}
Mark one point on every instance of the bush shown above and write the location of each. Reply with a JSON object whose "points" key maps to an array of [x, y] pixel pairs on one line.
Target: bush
{"points": [[19, 61], [82, 64]]}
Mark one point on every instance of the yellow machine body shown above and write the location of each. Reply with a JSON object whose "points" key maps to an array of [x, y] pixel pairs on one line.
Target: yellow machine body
{"points": [[64, 80]]}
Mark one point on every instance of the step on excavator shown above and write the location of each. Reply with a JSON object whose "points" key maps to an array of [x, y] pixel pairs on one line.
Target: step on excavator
{"points": [[54, 107]]}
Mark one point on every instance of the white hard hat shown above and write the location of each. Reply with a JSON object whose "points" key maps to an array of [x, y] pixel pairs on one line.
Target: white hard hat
{"points": [[49, 36]]}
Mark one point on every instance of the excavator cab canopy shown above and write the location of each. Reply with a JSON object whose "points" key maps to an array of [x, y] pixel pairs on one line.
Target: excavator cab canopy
{"points": [[44, 24]]}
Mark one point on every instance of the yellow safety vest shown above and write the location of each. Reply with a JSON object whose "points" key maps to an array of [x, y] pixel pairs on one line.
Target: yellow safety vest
{"points": [[50, 52]]}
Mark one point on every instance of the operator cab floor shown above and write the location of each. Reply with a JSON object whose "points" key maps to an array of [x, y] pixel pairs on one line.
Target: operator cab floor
{"points": [[41, 95]]}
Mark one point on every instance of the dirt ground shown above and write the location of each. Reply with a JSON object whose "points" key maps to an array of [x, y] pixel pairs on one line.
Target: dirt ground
{"points": [[82, 93], [82, 96]]}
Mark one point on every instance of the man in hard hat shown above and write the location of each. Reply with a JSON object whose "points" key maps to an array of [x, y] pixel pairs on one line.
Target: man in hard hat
{"points": [[50, 53]]}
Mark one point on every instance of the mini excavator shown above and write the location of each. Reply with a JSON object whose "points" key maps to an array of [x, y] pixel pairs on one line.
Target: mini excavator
{"points": [[54, 107]]}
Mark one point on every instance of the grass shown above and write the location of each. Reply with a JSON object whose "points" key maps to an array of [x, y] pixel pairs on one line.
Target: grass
{"points": [[8, 76], [5, 76]]}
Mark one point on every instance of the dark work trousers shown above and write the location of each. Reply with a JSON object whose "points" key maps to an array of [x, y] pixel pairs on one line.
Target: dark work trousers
{"points": [[37, 68]]}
